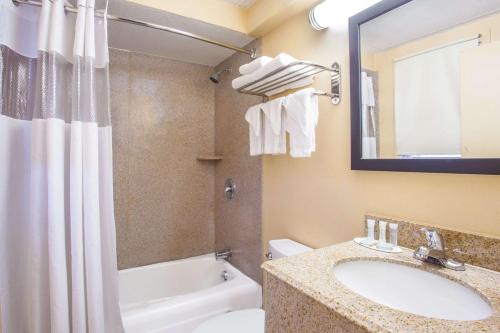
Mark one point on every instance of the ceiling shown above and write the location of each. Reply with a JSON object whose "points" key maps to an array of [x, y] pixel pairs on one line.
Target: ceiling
{"points": [[156, 42], [420, 18], [241, 3]]}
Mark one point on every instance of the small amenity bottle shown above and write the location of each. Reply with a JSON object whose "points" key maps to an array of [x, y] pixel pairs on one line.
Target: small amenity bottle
{"points": [[393, 228], [370, 227], [382, 240]]}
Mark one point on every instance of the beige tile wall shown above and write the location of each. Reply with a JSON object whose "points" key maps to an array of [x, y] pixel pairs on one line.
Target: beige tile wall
{"points": [[163, 117], [237, 222]]}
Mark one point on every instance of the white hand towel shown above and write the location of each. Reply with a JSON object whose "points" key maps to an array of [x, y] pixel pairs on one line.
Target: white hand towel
{"points": [[253, 117], [274, 127], [254, 65], [280, 61], [301, 119]]}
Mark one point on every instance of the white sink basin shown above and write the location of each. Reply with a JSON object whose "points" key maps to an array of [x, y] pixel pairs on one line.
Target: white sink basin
{"points": [[412, 290]]}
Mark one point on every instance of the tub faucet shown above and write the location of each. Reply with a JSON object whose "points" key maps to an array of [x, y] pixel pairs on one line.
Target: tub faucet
{"points": [[435, 251], [225, 254]]}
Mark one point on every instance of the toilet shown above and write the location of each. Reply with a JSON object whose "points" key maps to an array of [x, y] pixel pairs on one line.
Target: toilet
{"points": [[251, 320]]}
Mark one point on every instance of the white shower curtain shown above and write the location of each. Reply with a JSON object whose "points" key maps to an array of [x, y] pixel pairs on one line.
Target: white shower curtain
{"points": [[369, 127], [427, 108], [58, 269]]}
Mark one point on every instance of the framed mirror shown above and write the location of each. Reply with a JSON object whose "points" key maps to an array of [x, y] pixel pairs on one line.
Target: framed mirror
{"points": [[425, 86]]}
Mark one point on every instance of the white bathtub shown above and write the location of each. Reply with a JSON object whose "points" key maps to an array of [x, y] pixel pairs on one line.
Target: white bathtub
{"points": [[176, 296]]}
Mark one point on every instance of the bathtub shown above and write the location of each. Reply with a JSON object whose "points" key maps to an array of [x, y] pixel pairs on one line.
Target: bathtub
{"points": [[176, 296]]}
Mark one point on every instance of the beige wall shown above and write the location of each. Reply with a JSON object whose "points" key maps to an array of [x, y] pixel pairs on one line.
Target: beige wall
{"points": [[163, 117], [265, 15], [320, 201], [218, 12], [261, 17], [382, 63], [480, 102]]}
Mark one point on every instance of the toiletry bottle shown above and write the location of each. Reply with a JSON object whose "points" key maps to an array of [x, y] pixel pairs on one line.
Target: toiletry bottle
{"points": [[393, 234], [370, 227], [382, 242]]}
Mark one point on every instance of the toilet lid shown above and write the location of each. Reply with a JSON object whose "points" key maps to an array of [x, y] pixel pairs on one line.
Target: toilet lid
{"points": [[243, 321]]}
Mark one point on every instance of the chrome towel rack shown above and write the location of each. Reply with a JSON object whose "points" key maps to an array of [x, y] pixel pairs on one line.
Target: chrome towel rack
{"points": [[300, 70]]}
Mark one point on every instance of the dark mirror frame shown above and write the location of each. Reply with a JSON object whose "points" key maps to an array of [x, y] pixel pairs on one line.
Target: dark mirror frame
{"points": [[487, 166]]}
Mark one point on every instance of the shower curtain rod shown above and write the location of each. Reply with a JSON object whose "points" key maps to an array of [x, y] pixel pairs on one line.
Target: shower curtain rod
{"points": [[252, 53]]}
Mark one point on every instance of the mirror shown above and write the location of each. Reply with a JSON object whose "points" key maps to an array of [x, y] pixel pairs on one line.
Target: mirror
{"points": [[427, 84]]}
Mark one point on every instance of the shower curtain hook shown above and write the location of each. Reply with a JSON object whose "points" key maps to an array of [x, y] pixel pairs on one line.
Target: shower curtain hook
{"points": [[253, 53]]}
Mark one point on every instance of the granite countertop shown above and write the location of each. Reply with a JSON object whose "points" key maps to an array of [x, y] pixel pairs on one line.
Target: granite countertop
{"points": [[312, 274]]}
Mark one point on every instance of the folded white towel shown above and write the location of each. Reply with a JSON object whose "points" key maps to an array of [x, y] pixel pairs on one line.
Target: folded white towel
{"points": [[280, 61], [301, 119], [240, 81], [299, 84], [274, 127], [254, 65], [253, 117]]}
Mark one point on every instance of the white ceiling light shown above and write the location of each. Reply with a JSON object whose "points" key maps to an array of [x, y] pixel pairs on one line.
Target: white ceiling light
{"points": [[335, 12]]}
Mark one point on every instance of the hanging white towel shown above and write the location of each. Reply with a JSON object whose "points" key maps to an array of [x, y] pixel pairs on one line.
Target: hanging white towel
{"points": [[301, 119], [254, 119], [274, 129], [254, 65]]}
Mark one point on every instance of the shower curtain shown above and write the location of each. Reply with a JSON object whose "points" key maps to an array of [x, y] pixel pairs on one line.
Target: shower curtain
{"points": [[369, 127], [58, 270]]}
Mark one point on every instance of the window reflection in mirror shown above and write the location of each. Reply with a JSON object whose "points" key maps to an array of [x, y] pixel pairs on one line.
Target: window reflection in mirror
{"points": [[430, 81]]}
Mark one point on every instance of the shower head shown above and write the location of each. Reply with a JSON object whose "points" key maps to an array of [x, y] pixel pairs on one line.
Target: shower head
{"points": [[215, 77]]}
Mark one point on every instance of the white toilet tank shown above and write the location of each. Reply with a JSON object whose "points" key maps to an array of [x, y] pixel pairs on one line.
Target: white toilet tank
{"points": [[279, 248]]}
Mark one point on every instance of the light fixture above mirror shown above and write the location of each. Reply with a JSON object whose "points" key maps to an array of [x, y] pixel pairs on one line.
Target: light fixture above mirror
{"points": [[330, 13]]}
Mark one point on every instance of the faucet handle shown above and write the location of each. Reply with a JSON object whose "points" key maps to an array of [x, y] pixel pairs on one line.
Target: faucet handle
{"points": [[435, 251], [434, 239]]}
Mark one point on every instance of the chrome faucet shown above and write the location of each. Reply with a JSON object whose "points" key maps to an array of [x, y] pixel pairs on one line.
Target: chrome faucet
{"points": [[223, 255], [435, 251]]}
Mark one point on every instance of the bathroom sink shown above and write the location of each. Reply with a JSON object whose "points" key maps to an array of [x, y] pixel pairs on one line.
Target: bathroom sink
{"points": [[412, 290]]}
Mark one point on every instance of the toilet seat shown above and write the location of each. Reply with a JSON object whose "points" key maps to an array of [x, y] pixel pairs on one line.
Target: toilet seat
{"points": [[243, 321]]}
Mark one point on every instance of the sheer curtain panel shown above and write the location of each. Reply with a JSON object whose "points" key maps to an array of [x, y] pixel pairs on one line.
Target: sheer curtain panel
{"points": [[58, 269]]}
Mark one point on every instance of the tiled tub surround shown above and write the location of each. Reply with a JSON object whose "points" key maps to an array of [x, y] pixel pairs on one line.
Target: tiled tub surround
{"points": [[163, 118], [474, 249], [237, 221], [303, 295]]}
